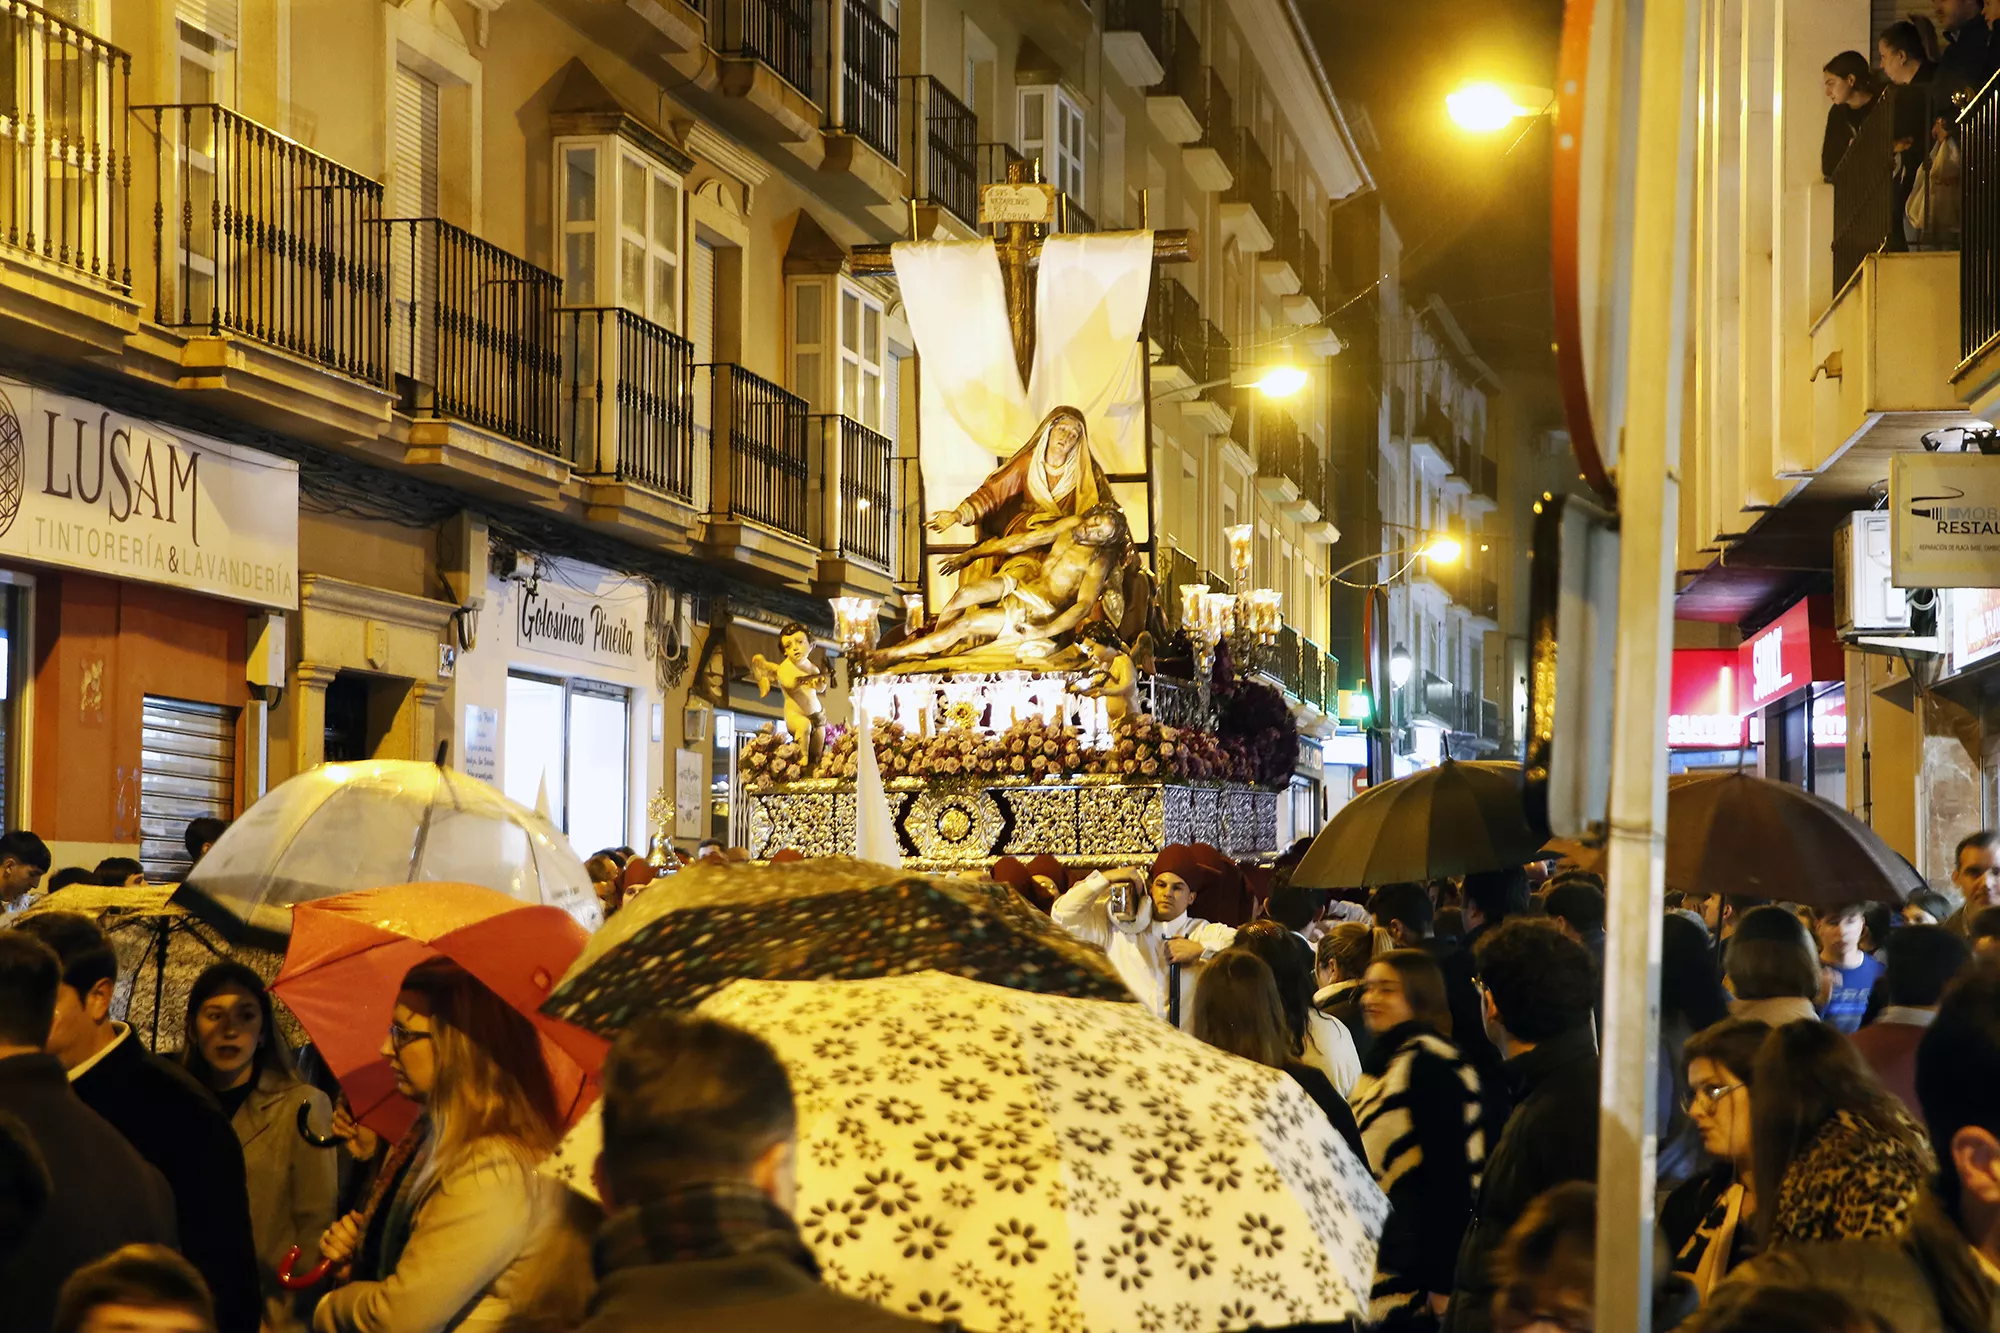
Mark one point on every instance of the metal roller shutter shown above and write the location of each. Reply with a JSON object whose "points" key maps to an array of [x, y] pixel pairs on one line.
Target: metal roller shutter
{"points": [[187, 769]]}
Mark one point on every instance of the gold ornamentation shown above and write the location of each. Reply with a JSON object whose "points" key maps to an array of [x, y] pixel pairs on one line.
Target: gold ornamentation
{"points": [[1045, 820], [1120, 820], [959, 824]]}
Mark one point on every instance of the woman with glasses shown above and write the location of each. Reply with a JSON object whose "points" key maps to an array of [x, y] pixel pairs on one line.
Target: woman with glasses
{"points": [[235, 1049], [1708, 1219], [1418, 1105], [450, 1229]]}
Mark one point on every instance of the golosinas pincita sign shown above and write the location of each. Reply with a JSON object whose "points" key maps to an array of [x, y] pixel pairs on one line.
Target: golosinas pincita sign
{"points": [[607, 631], [87, 488], [1944, 520]]}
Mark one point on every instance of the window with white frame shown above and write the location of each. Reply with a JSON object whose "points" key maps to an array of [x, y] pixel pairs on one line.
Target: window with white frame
{"points": [[205, 35], [1052, 128], [620, 213], [838, 348]]}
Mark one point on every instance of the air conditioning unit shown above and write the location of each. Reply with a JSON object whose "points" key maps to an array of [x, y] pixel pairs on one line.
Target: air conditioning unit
{"points": [[1865, 602]]}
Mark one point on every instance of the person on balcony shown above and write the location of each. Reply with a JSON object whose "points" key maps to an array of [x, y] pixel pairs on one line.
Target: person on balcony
{"points": [[1966, 61], [1851, 88]]}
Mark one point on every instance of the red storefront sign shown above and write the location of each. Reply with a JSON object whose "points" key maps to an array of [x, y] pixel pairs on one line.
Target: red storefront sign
{"points": [[1701, 701], [1790, 653]]}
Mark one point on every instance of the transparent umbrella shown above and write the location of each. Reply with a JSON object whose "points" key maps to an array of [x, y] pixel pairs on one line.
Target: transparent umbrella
{"points": [[340, 828]]}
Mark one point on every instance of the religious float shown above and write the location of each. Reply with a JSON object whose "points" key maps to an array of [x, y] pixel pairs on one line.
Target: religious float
{"points": [[1051, 704]]}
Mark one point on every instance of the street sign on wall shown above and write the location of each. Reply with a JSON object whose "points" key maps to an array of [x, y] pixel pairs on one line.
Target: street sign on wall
{"points": [[1944, 517]]}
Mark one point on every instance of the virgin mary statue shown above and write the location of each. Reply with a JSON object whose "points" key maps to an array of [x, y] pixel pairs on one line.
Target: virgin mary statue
{"points": [[1051, 477]]}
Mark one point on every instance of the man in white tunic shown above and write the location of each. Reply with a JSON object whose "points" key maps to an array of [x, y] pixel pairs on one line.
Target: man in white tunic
{"points": [[1160, 941]]}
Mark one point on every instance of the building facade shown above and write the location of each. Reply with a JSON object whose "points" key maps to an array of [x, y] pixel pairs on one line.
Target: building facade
{"points": [[528, 333]]}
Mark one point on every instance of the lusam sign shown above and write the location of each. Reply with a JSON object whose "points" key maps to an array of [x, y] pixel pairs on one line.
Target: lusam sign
{"points": [[86, 488], [1790, 653]]}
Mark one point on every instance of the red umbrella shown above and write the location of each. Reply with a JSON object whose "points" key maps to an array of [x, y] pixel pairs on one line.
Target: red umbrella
{"points": [[348, 956]]}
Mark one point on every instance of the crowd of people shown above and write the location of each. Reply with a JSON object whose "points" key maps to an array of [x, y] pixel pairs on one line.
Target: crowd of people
{"points": [[1828, 1129]]}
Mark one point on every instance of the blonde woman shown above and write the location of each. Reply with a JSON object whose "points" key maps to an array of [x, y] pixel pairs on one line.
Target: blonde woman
{"points": [[452, 1243]]}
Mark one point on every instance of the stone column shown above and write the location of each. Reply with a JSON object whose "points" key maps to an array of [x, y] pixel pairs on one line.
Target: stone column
{"points": [[307, 702]]}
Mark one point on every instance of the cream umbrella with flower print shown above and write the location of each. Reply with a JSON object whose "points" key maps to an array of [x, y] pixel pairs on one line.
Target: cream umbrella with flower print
{"points": [[1018, 1162]]}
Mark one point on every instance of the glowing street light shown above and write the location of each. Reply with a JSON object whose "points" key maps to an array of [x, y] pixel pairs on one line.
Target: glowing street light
{"points": [[1443, 549], [1281, 381], [1487, 108], [1400, 666]]}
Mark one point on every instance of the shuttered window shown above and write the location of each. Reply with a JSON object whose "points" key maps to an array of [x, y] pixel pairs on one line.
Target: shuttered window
{"points": [[701, 333], [217, 18], [187, 769], [413, 193], [413, 184]]}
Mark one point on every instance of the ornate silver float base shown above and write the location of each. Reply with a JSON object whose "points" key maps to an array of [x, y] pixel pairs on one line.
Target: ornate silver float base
{"points": [[956, 825]]}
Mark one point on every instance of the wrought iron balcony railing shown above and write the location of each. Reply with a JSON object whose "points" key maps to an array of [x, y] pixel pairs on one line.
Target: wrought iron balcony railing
{"points": [[1151, 19], [65, 159], [627, 408], [1176, 568], [1312, 274], [1217, 113], [1979, 261], [472, 331], [1174, 323], [1867, 202], [762, 462], [260, 237], [1075, 221], [943, 163], [870, 79], [1215, 363], [1253, 180], [1182, 73], [779, 33], [1277, 441], [863, 513]]}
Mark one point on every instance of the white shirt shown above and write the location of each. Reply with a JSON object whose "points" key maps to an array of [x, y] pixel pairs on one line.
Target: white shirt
{"points": [[1330, 1049], [1138, 949], [123, 1030]]}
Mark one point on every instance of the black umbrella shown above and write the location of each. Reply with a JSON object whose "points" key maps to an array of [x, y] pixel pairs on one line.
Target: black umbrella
{"points": [[1454, 819], [1749, 836]]}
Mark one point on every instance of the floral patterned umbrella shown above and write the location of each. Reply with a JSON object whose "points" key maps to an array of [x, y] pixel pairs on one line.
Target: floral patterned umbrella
{"points": [[827, 919], [1031, 1162]]}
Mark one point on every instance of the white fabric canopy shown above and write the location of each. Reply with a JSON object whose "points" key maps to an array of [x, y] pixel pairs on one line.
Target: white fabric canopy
{"points": [[1090, 301]]}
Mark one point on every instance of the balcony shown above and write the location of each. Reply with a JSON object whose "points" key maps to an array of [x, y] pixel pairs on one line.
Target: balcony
{"points": [[1978, 375], [1311, 479], [65, 169], [1483, 493], [1209, 410], [861, 146], [1250, 207], [1137, 34], [1176, 569], [766, 66], [1285, 660], [1279, 268], [1175, 331], [1277, 457], [1209, 160], [757, 437], [472, 342], [1173, 104], [628, 422], [271, 269], [1312, 673], [1071, 219], [944, 137], [1308, 303], [1434, 441], [858, 509]]}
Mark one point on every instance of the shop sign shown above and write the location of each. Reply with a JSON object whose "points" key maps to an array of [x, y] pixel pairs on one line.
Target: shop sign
{"points": [[1790, 653], [482, 743], [586, 629], [83, 487], [1975, 626], [1829, 721], [689, 793], [1944, 519], [1701, 700]]}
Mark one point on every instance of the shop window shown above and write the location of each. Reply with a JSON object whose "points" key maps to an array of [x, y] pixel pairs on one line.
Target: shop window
{"points": [[1052, 128], [620, 213], [570, 741], [187, 771]]}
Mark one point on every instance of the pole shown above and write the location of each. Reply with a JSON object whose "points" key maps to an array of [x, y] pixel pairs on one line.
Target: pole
{"points": [[1654, 322]]}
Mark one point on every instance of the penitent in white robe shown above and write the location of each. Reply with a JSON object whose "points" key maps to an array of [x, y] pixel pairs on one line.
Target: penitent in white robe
{"points": [[1138, 949]]}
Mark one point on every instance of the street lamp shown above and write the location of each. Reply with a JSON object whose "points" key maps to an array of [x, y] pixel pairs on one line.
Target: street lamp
{"points": [[1441, 547], [1487, 108]]}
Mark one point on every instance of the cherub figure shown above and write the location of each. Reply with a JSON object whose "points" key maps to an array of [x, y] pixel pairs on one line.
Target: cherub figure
{"points": [[1111, 676], [801, 683]]}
